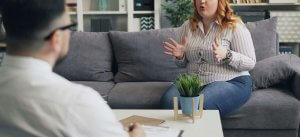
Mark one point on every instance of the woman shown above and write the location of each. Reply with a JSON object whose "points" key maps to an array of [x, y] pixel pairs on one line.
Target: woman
{"points": [[218, 47]]}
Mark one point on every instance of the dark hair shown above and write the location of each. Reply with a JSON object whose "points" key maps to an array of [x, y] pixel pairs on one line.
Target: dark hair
{"points": [[24, 20]]}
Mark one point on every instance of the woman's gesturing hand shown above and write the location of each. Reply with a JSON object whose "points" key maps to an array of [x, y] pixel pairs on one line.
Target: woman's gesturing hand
{"points": [[175, 49], [219, 51]]}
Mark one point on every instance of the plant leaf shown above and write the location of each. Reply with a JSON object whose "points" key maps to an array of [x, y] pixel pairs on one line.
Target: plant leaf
{"points": [[189, 85], [178, 11]]}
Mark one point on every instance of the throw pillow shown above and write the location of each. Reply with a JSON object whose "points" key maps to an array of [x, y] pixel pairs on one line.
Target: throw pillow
{"points": [[274, 70], [264, 37], [140, 56], [89, 58]]}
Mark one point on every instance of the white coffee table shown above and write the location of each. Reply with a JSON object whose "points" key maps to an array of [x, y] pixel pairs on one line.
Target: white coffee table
{"points": [[208, 126]]}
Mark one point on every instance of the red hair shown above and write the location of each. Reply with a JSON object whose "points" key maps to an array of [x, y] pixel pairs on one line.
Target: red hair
{"points": [[224, 16]]}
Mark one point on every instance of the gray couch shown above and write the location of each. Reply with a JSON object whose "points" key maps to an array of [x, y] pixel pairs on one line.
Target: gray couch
{"points": [[130, 71]]}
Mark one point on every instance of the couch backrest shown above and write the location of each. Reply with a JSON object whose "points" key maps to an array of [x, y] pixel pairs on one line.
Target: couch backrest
{"points": [[89, 59], [139, 55], [265, 37]]}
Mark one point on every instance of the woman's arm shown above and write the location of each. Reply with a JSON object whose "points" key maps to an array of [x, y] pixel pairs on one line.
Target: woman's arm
{"points": [[180, 34], [243, 52]]}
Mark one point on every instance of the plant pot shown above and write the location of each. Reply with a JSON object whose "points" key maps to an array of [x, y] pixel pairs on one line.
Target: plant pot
{"points": [[187, 103]]}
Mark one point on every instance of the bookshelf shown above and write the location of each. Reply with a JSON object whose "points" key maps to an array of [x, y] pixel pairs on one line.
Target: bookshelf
{"points": [[2, 45], [104, 12], [288, 25], [279, 2], [264, 4], [119, 15]]}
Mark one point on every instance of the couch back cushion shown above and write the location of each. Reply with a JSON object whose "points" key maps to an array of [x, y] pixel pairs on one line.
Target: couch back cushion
{"points": [[265, 38], [140, 56], [89, 58]]}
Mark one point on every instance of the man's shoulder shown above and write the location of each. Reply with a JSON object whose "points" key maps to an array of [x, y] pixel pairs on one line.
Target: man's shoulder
{"points": [[65, 87], [65, 83]]}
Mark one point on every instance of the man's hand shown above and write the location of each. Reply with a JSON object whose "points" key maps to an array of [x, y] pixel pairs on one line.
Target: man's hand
{"points": [[135, 130]]}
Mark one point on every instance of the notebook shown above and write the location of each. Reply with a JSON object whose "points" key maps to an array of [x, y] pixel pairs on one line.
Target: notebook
{"points": [[142, 120]]}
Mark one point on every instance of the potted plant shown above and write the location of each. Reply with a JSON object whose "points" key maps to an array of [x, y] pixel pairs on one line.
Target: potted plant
{"points": [[190, 87], [178, 11]]}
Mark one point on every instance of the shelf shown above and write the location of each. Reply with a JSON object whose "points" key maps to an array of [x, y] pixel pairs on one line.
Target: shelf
{"points": [[104, 12], [266, 4], [121, 12], [72, 13], [143, 12], [2, 45], [114, 12], [71, 4], [292, 43]]}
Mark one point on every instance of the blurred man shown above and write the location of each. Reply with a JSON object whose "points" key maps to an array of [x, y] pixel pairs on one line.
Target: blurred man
{"points": [[34, 101]]}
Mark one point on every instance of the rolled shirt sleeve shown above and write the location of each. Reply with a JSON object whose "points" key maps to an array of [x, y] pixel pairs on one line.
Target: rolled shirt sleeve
{"points": [[181, 62], [243, 52]]}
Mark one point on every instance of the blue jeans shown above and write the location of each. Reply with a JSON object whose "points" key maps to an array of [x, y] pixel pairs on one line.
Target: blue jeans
{"points": [[225, 96]]}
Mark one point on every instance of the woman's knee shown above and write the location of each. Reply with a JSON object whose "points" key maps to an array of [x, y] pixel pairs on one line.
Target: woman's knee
{"points": [[171, 92], [225, 97], [167, 98], [216, 105]]}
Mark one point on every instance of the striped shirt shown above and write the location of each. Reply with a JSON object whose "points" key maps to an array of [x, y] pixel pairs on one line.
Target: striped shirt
{"points": [[199, 57]]}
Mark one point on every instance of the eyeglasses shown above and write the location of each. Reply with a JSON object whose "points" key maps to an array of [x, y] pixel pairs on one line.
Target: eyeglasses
{"points": [[60, 28]]}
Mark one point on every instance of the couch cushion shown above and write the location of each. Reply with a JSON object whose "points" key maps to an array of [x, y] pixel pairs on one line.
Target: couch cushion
{"points": [[140, 56], [296, 86], [89, 58], [138, 95], [103, 88], [264, 37], [274, 70], [270, 108]]}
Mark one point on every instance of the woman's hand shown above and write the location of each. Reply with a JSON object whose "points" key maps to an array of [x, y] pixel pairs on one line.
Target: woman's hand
{"points": [[219, 51], [176, 50]]}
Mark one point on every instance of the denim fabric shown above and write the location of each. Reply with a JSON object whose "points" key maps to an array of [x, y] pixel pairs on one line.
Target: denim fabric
{"points": [[225, 96]]}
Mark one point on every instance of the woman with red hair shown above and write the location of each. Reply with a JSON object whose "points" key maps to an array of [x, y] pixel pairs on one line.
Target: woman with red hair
{"points": [[217, 46]]}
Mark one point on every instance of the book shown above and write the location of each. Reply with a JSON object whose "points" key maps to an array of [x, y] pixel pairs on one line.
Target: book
{"points": [[137, 24], [122, 5], [142, 120], [282, 1], [101, 24], [285, 50]]}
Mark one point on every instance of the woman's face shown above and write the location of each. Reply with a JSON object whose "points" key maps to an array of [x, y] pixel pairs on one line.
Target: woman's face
{"points": [[207, 8]]}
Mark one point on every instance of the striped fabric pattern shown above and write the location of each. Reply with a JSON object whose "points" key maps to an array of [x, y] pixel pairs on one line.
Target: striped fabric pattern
{"points": [[199, 57]]}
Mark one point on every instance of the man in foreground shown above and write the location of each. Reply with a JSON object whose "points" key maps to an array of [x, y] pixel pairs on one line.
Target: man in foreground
{"points": [[34, 101]]}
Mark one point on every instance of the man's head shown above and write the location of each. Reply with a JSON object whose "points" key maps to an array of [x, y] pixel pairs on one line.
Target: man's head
{"points": [[36, 27]]}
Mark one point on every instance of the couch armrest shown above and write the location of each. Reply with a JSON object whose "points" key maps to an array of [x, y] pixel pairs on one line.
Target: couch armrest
{"points": [[296, 85]]}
